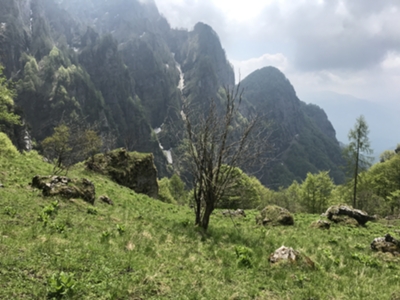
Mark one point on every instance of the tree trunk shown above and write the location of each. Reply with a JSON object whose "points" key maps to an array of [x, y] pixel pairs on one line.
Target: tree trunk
{"points": [[198, 212], [356, 177], [206, 217]]}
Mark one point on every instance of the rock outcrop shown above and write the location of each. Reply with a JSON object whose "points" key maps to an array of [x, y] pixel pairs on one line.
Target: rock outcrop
{"points": [[131, 169], [274, 215], [386, 244], [338, 214], [65, 187]]}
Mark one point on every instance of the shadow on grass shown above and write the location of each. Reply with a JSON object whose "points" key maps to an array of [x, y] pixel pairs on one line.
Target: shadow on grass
{"points": [[227, 233]]}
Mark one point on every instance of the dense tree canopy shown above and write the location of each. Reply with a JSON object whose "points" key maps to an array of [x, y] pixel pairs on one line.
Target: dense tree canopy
{"points": [[7, 94]]}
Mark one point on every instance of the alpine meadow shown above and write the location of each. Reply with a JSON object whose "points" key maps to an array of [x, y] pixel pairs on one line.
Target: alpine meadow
{"points": [[134, 165]]}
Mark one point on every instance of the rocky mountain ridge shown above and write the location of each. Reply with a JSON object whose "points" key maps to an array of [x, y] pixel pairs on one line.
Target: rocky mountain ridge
{"points": [[120, 66]]}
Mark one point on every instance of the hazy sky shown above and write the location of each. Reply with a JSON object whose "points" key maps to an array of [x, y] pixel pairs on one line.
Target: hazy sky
{"points": [[346, 46]]}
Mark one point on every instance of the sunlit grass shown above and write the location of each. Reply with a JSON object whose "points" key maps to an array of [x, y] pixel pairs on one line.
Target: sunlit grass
{"points": [[141, 248]]}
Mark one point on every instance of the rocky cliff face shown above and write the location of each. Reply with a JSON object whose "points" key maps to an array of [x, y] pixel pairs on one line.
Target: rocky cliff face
{"points": [[319, 117], [133, 170]]}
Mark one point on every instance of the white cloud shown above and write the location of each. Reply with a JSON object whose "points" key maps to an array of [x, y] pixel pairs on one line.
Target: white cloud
{"points": [[245, 67], [346, 46], [392, 61]]}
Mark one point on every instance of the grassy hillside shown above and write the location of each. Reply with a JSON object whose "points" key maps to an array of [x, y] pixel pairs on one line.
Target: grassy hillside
{"points": [[142, 248]]}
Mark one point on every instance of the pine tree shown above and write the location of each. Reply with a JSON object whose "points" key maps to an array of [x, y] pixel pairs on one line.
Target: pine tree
{"points": [[355, 152]]}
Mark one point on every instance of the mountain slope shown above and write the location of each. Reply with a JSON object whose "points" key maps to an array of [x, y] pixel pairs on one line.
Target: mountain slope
{"points": [[344, 109], [303, 138], [118, 65]]}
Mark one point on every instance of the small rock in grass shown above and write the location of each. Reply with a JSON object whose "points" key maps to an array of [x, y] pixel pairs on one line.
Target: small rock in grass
{"points": [[288, 254], [106, 199], [386, 244]]}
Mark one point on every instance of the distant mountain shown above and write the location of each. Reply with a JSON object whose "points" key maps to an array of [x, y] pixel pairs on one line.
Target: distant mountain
{"points": [[304, 138], [343, 110], [119, 65]]}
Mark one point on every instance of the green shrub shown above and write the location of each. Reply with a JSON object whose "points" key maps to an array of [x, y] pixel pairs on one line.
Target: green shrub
{"points": [[164, 192], [242, 191], [52, 209], [244, 256], [7, 149], [177, 189]]}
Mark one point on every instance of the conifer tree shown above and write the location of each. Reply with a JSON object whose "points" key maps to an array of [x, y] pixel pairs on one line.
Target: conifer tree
{"points": [[355, 152]]}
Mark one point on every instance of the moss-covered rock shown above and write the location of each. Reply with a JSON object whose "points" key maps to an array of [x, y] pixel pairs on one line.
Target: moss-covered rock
{"points": [[386, 244], [65, 187], [321, 224], [344, 213], [345, 220], [274, 215], [131, 169]]}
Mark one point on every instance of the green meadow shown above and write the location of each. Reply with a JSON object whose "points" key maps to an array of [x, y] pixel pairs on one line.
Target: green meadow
{"points": [[142, 248]]}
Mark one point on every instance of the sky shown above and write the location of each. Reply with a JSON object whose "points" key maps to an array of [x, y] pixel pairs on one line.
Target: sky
{"points": [[345, 46]]}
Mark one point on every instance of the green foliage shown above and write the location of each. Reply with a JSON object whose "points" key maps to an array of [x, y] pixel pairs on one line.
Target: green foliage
{"points": [[382, 183], [242, 191], [172, 190], [160, 243], [61, 285], [48, 212], [244, 256], [67, 146], [105, 236], [289, 198], [92, 210], [57, 147], [177, 189], [58, 227], [316, 192], [121, 229], [7, 149], [6, 102], [164, 192], [52, 209], [356, 151], [91, 143], [10, 211], [366, 260]]}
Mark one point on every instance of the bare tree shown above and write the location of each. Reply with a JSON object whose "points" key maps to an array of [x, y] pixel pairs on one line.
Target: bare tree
{"points": [[218, 140]]}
